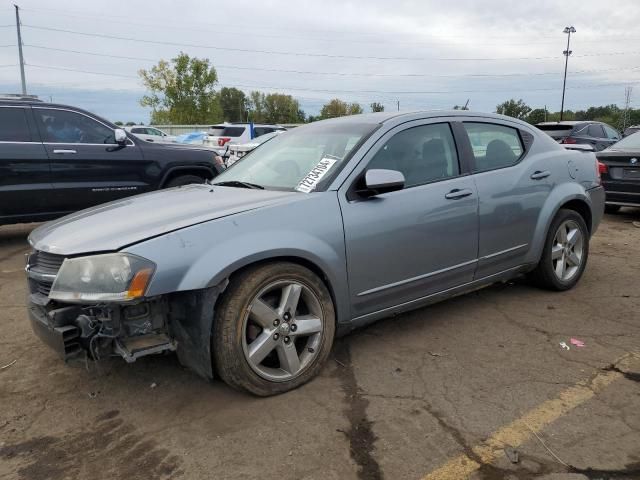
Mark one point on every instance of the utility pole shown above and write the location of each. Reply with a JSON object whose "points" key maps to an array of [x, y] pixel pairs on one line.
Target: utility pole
{"points": [[24, 83], [398, 104], [567, 52], [627, 102]]}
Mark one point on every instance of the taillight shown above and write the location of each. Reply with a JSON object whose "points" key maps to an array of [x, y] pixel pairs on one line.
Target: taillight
{"points": [[223, 140], [569, 140], [602, 168]]}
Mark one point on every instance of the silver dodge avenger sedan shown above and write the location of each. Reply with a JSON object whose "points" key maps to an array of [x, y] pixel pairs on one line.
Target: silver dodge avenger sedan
{"points": [[325, 228]]}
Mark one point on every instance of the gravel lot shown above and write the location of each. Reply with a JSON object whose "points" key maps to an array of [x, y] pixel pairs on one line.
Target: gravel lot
{"points": [[436, 393]]}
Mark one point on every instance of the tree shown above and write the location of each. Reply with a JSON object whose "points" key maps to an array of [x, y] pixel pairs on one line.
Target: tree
{"points": [[377, 107], [460, 107], [118, 123], [182, 91], [338, 108], [275, 108], [233, 103], [514, 108], [537, 115]]}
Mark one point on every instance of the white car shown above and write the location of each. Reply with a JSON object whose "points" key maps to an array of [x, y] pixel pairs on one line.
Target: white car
{"points": [[236, 152], [220, 136], [151, 134]]}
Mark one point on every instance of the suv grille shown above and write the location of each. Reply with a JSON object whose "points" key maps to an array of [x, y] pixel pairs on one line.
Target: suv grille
{"points": [[41, 270]]}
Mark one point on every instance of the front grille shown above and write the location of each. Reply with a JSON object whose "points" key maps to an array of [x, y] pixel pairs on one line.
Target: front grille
{"points": [[42, 269]]}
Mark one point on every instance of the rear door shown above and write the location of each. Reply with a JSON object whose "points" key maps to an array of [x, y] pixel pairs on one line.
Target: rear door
{"points": [[25, 183], [513, 182], [87, 166]]}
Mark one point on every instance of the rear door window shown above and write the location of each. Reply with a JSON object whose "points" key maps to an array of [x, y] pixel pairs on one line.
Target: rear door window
{"points": [[595, 131], [231, 132], [64, 126], [13, 125], [494, 146]]}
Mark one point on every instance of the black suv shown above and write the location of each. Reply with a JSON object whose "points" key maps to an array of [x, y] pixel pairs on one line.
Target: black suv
{"points": [[56, 159], [598, 134]]}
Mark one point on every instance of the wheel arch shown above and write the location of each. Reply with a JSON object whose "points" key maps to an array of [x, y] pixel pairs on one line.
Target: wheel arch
{"points": [[174, 172], [297, 259], [574, 199]]}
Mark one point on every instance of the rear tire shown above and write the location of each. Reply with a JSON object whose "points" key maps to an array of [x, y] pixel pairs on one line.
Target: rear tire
{"points": [[184, 180], [565, 253], [611, 209], [273, 329]]}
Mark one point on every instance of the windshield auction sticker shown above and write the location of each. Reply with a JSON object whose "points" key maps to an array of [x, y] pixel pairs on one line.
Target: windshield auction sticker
{"points": [[309, 182]]}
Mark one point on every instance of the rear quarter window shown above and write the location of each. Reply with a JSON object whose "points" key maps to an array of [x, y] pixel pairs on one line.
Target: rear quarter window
{"points": [[231, 132]]}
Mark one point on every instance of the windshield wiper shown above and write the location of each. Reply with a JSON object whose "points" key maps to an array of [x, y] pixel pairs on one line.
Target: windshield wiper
{"points": [[237, 183]]}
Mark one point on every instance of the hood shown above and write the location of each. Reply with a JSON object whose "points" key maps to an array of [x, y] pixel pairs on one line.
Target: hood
{"points": [[114, 225]]}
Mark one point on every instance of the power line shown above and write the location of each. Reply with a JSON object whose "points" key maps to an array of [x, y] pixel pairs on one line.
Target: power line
{"points": [[384, 92], [439, 40], [343, 74], [301, 54]]}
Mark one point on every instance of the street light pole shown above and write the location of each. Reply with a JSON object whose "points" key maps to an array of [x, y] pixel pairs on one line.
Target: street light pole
{"points": [[567, 52]]}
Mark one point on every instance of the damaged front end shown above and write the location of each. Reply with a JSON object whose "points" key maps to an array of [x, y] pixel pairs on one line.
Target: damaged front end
{"points": [[125, 324]]}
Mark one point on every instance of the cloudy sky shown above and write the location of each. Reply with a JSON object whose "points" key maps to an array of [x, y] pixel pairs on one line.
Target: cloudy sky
{"points": [[422, 53]]}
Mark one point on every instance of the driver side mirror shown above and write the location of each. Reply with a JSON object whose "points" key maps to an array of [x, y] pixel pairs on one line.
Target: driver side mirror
{"points": [[378, 181], [120, 136]]}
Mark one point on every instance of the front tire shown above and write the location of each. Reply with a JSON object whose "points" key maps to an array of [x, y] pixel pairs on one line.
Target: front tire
{"points": [[273, 329], [565, 253], [184, 180]]}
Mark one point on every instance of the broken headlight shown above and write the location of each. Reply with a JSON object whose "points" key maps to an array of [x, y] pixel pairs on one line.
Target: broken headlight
{"points": [[114, 277]]}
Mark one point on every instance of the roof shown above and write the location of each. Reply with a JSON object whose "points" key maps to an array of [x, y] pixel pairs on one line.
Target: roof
{"points": [[567, 122]]}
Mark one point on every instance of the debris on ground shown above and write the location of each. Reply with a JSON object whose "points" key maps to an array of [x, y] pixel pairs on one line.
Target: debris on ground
{"points": [[153, 385], [565, 346], [8, 364], [512, 454], [92, 394], [576, 342], [636, 224], [435, 354]]}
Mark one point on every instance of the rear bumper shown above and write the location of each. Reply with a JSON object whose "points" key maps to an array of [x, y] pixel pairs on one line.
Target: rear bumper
{"points": [[597, 198], [622, 193]]}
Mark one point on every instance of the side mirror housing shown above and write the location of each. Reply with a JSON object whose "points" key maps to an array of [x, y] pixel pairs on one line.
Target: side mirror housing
{"points": [[378, 181], [120, 136]]}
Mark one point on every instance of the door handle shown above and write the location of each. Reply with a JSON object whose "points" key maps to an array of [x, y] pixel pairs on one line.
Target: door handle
{"points": [[458, 193], [63, 152], [538, 175]]}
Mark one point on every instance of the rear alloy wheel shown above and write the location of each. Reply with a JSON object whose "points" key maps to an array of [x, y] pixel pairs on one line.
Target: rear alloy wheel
{"points": [[565, 253], [274, 329]]}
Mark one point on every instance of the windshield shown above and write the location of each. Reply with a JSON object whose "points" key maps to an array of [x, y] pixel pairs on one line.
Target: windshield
{"points": [[632, 142], [302, 159]]}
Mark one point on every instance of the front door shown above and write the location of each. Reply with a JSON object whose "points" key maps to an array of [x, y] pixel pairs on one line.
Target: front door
{"points": [[87, 166], [414, 242], [25, 184]]}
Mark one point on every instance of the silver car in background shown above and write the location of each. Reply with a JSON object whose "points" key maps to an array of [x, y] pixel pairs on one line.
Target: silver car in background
{"points": [[321, 230]]}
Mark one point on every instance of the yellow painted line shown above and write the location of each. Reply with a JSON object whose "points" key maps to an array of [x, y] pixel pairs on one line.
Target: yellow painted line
{"points": [[519, 431]]}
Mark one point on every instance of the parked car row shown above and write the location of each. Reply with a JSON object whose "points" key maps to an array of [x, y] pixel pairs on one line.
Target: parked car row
{"points": [[298, 242], [56, 159], [618, 157]]}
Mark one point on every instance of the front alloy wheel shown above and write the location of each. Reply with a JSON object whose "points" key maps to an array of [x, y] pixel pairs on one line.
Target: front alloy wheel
{"points": [[273, 328], [567, 251], [282, 330]]}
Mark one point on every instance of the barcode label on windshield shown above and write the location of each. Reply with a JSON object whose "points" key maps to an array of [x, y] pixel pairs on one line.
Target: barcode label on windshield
{"points": [[309, 182]]}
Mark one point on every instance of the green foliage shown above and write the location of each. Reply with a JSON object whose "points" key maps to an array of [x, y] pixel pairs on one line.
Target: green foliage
{"points": [[514, 108], [118, 123], [338, 108], [377, 107], [234, 104], [274, 108], [537, 115], [182, 91]]}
